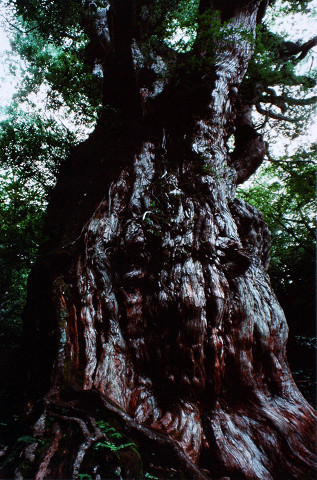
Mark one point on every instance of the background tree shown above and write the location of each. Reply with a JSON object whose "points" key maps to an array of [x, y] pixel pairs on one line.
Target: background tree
{"points": [[31, 148], [151, 327], [284, 191]]}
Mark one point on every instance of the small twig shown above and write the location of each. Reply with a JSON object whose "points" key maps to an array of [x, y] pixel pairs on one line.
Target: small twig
{"points": [[17, 28]]}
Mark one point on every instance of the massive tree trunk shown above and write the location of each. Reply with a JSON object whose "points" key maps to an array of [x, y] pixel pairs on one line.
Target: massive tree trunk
{"points": [[150, 310]]}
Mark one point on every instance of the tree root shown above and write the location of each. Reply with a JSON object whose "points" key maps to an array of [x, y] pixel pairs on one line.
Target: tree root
{"points": [[58, 452]]}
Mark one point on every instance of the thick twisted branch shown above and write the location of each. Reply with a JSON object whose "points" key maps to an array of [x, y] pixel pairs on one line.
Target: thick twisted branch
{"points": [[282, 101], [291, 49], [275, 116]]}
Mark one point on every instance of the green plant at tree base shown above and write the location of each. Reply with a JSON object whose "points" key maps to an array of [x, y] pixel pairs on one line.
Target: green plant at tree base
{"points": [[114, 439], [114, 436]]}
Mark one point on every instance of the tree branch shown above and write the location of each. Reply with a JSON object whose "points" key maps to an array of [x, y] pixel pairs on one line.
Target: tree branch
{"points": [[310, 230], [95, 24], [291, 231], [282, 101], [275, 116], [286, 161], [290, 49], [24, 32]]}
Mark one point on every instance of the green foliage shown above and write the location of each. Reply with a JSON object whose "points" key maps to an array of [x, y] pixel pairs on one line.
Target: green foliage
{"points": [[31, 148], [21, 220], [64, 72], [263, 67], [167, 15], [113, 446], [284, 191], [151, 477], [114, 438], [56, 57], [290, 6], [29, 439], [179, 25], [110, 431], [54, 20]]}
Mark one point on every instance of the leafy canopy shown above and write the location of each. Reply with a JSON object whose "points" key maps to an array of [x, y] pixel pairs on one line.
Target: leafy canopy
{"points": [[284, 191], [31, 148]]}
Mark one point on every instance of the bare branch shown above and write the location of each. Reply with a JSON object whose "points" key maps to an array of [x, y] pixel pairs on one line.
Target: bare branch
{"points": [[304, 221], [290, 49], [275, 116], [293, 234], [282, 101], [17, 28]]}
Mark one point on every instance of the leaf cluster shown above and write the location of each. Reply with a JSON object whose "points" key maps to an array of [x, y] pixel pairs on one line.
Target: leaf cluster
{"points": [[54, 21], [290, 6], [284, 191], [272, 63], [114, 440], [31, 148], [65, 71]]}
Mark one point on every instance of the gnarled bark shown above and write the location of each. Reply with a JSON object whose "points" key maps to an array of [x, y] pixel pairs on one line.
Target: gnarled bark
{"points": [[151, 308]]}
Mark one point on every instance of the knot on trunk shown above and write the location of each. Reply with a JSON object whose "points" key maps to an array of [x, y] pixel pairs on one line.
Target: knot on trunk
{"points": [[249, 152], [253, 231], [235, 260]]}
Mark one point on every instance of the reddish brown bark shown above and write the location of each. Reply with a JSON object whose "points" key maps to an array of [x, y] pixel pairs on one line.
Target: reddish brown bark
{"points": [[151, 307]]}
